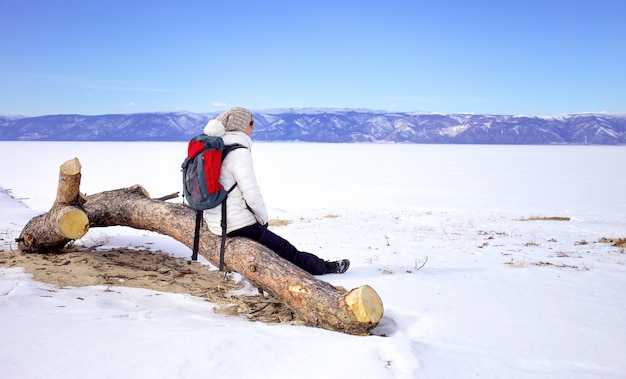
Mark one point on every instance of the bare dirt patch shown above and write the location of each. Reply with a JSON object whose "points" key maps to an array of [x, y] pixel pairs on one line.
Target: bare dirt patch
{"points": [[152, 270]]}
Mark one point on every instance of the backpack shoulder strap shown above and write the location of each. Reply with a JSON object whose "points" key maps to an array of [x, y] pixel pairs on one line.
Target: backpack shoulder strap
{"points": [[229, 148]]}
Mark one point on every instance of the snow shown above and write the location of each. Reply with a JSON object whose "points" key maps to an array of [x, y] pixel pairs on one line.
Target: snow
{"points": [[499, 297]]}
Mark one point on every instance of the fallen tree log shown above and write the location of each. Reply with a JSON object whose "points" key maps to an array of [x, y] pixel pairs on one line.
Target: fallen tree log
{"points": [[317, 302]]}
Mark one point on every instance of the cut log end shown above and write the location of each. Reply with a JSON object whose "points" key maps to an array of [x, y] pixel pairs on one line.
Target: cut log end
{"points": [[365, 304], [73, 224], [71, 167]]}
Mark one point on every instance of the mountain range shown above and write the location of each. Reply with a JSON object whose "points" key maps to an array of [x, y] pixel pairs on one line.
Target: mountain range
{"points": [[330, 125]]}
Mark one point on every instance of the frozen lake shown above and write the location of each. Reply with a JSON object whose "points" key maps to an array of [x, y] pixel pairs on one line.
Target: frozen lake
{"points": [[541, 179]]}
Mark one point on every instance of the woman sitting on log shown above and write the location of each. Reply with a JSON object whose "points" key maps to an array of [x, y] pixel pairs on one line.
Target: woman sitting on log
{"points": [[246, 212]]}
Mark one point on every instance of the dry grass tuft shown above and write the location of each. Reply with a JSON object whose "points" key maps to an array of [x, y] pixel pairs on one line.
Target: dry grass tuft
{"points": [[279, 222], [517, 264], [545, 218], [559, 265], [617, 242]]}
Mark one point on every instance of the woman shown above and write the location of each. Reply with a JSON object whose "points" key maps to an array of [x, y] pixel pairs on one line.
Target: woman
{"points": [[246, 212]]}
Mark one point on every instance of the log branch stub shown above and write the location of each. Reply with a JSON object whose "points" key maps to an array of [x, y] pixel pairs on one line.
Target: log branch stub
{"points": [[68, 189]]}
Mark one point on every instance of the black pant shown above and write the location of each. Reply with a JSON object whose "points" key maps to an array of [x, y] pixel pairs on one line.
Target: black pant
{"points": [[306, 261]]}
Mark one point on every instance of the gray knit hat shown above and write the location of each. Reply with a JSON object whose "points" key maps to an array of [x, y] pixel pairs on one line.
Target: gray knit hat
{"points": [[235, 119]]}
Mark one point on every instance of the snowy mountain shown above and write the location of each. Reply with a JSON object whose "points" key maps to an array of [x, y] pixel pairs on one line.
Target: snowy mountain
{"points": [[330, 125]]}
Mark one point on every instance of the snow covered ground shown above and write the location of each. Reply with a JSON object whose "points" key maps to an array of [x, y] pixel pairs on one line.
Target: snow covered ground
{"points": [[499, 297]]}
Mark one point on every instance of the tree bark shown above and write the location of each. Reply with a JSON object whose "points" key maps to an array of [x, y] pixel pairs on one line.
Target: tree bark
{"points": [[317, 302]]}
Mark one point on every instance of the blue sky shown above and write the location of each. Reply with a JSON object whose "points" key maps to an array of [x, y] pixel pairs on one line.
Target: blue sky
{"points": [[130, 56]]}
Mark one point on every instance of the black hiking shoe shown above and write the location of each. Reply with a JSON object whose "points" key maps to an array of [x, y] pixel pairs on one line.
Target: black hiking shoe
{"points": [[337, 267]]}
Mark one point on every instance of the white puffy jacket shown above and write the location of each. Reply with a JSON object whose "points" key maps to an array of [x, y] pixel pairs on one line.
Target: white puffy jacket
{"points": [[238, 168]]}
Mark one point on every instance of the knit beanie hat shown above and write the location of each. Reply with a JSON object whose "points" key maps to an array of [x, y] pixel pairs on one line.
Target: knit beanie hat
{"points": [[235, 119]]}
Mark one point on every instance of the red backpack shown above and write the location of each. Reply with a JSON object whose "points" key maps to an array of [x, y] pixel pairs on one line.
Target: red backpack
{"points": [[201, 187]]}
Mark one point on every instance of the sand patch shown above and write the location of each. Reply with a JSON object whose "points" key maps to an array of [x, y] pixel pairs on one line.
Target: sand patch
{"points": [[142, 268]]}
